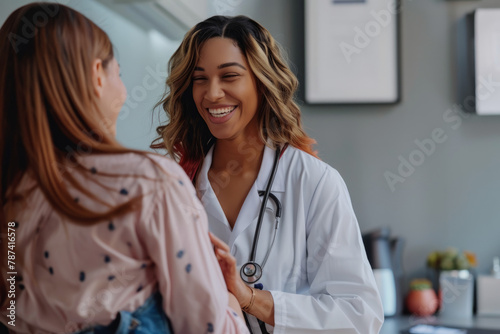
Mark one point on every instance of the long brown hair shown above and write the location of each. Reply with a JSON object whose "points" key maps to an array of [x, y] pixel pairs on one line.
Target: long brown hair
{"points": [[186, 137], [48, 110]]}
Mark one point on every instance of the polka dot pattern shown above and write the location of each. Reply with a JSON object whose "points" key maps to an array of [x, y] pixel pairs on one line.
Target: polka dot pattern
{"points": [[105, 262]]}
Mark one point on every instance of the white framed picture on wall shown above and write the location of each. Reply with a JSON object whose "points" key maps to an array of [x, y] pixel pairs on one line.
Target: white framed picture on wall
{"points": [[352, 51]]}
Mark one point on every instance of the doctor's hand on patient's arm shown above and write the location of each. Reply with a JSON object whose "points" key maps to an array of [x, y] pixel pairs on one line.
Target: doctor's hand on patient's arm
{"points": [[262, 305]]}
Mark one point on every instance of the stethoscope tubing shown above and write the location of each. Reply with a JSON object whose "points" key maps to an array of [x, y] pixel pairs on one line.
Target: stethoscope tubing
{"points": [[276, 202], [264, 205], [266, 194]]}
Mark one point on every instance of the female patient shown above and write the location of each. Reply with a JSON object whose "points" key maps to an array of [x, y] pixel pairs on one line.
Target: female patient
{"points": [[102, 238]]}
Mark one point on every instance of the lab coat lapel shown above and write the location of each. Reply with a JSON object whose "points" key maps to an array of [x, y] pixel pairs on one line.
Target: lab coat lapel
{"points": [[209, 199], [248, 214], [217, 221], [212, 206]]}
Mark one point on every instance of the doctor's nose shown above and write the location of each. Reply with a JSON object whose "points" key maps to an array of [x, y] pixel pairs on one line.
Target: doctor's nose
{"points": [[214, 91]]}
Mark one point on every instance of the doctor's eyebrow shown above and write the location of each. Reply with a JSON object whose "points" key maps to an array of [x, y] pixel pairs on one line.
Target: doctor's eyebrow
{"points": [[197, 68]]}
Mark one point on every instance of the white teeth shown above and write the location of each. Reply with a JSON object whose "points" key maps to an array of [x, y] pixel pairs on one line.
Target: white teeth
{"points": [[220, 112]]}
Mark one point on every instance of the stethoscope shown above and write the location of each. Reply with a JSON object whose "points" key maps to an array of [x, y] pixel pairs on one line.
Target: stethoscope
{"points": [[251, 271]]}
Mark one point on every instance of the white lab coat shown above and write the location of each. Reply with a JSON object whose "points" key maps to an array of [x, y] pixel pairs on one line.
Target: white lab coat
{"points": [[317, 270]]}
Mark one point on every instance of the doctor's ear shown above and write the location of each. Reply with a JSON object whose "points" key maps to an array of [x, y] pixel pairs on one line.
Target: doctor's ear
{"points": [[98, 77]]}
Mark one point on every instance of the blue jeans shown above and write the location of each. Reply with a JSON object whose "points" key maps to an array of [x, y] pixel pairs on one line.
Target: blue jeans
{"points": [[148, 318]]}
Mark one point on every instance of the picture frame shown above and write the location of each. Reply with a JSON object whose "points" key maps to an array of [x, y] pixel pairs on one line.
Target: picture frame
{"points": [[352, 51], [480, 52]]}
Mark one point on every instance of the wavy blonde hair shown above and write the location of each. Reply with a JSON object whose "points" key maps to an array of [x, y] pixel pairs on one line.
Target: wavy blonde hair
{"points": [[48, 111], [186, 137]]}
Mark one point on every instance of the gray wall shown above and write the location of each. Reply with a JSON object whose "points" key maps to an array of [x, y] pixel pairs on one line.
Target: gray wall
{"points": [[453, 197]]}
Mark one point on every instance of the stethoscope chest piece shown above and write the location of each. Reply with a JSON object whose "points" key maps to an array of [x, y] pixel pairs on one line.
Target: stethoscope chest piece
{"points": [[251, 272]]}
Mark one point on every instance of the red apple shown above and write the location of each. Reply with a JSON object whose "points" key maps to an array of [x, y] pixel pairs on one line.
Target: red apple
{"points": [[422, 302]]}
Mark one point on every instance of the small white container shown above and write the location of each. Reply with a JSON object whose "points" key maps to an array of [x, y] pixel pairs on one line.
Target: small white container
{"points": [[456, 292], [488, 295]]}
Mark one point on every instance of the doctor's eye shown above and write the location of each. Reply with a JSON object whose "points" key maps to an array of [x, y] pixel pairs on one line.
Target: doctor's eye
{"points": [[230, 76], [198, 78]]}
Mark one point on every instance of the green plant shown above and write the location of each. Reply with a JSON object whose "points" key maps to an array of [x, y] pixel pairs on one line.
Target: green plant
{"points": [[451, 259], [420, 284]]}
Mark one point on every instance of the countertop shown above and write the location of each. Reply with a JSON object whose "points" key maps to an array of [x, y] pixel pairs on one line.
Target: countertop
{"points": [[394, 325]]}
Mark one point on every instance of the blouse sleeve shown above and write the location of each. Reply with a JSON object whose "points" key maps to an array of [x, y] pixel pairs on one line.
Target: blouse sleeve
{"points": [[343, 294], [194, 293]]}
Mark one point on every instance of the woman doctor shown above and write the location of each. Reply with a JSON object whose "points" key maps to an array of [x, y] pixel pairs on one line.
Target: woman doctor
{"points": [[294, 257]]}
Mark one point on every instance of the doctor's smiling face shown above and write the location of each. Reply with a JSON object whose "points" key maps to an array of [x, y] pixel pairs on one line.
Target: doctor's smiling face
{"points": [[225, 90]]}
